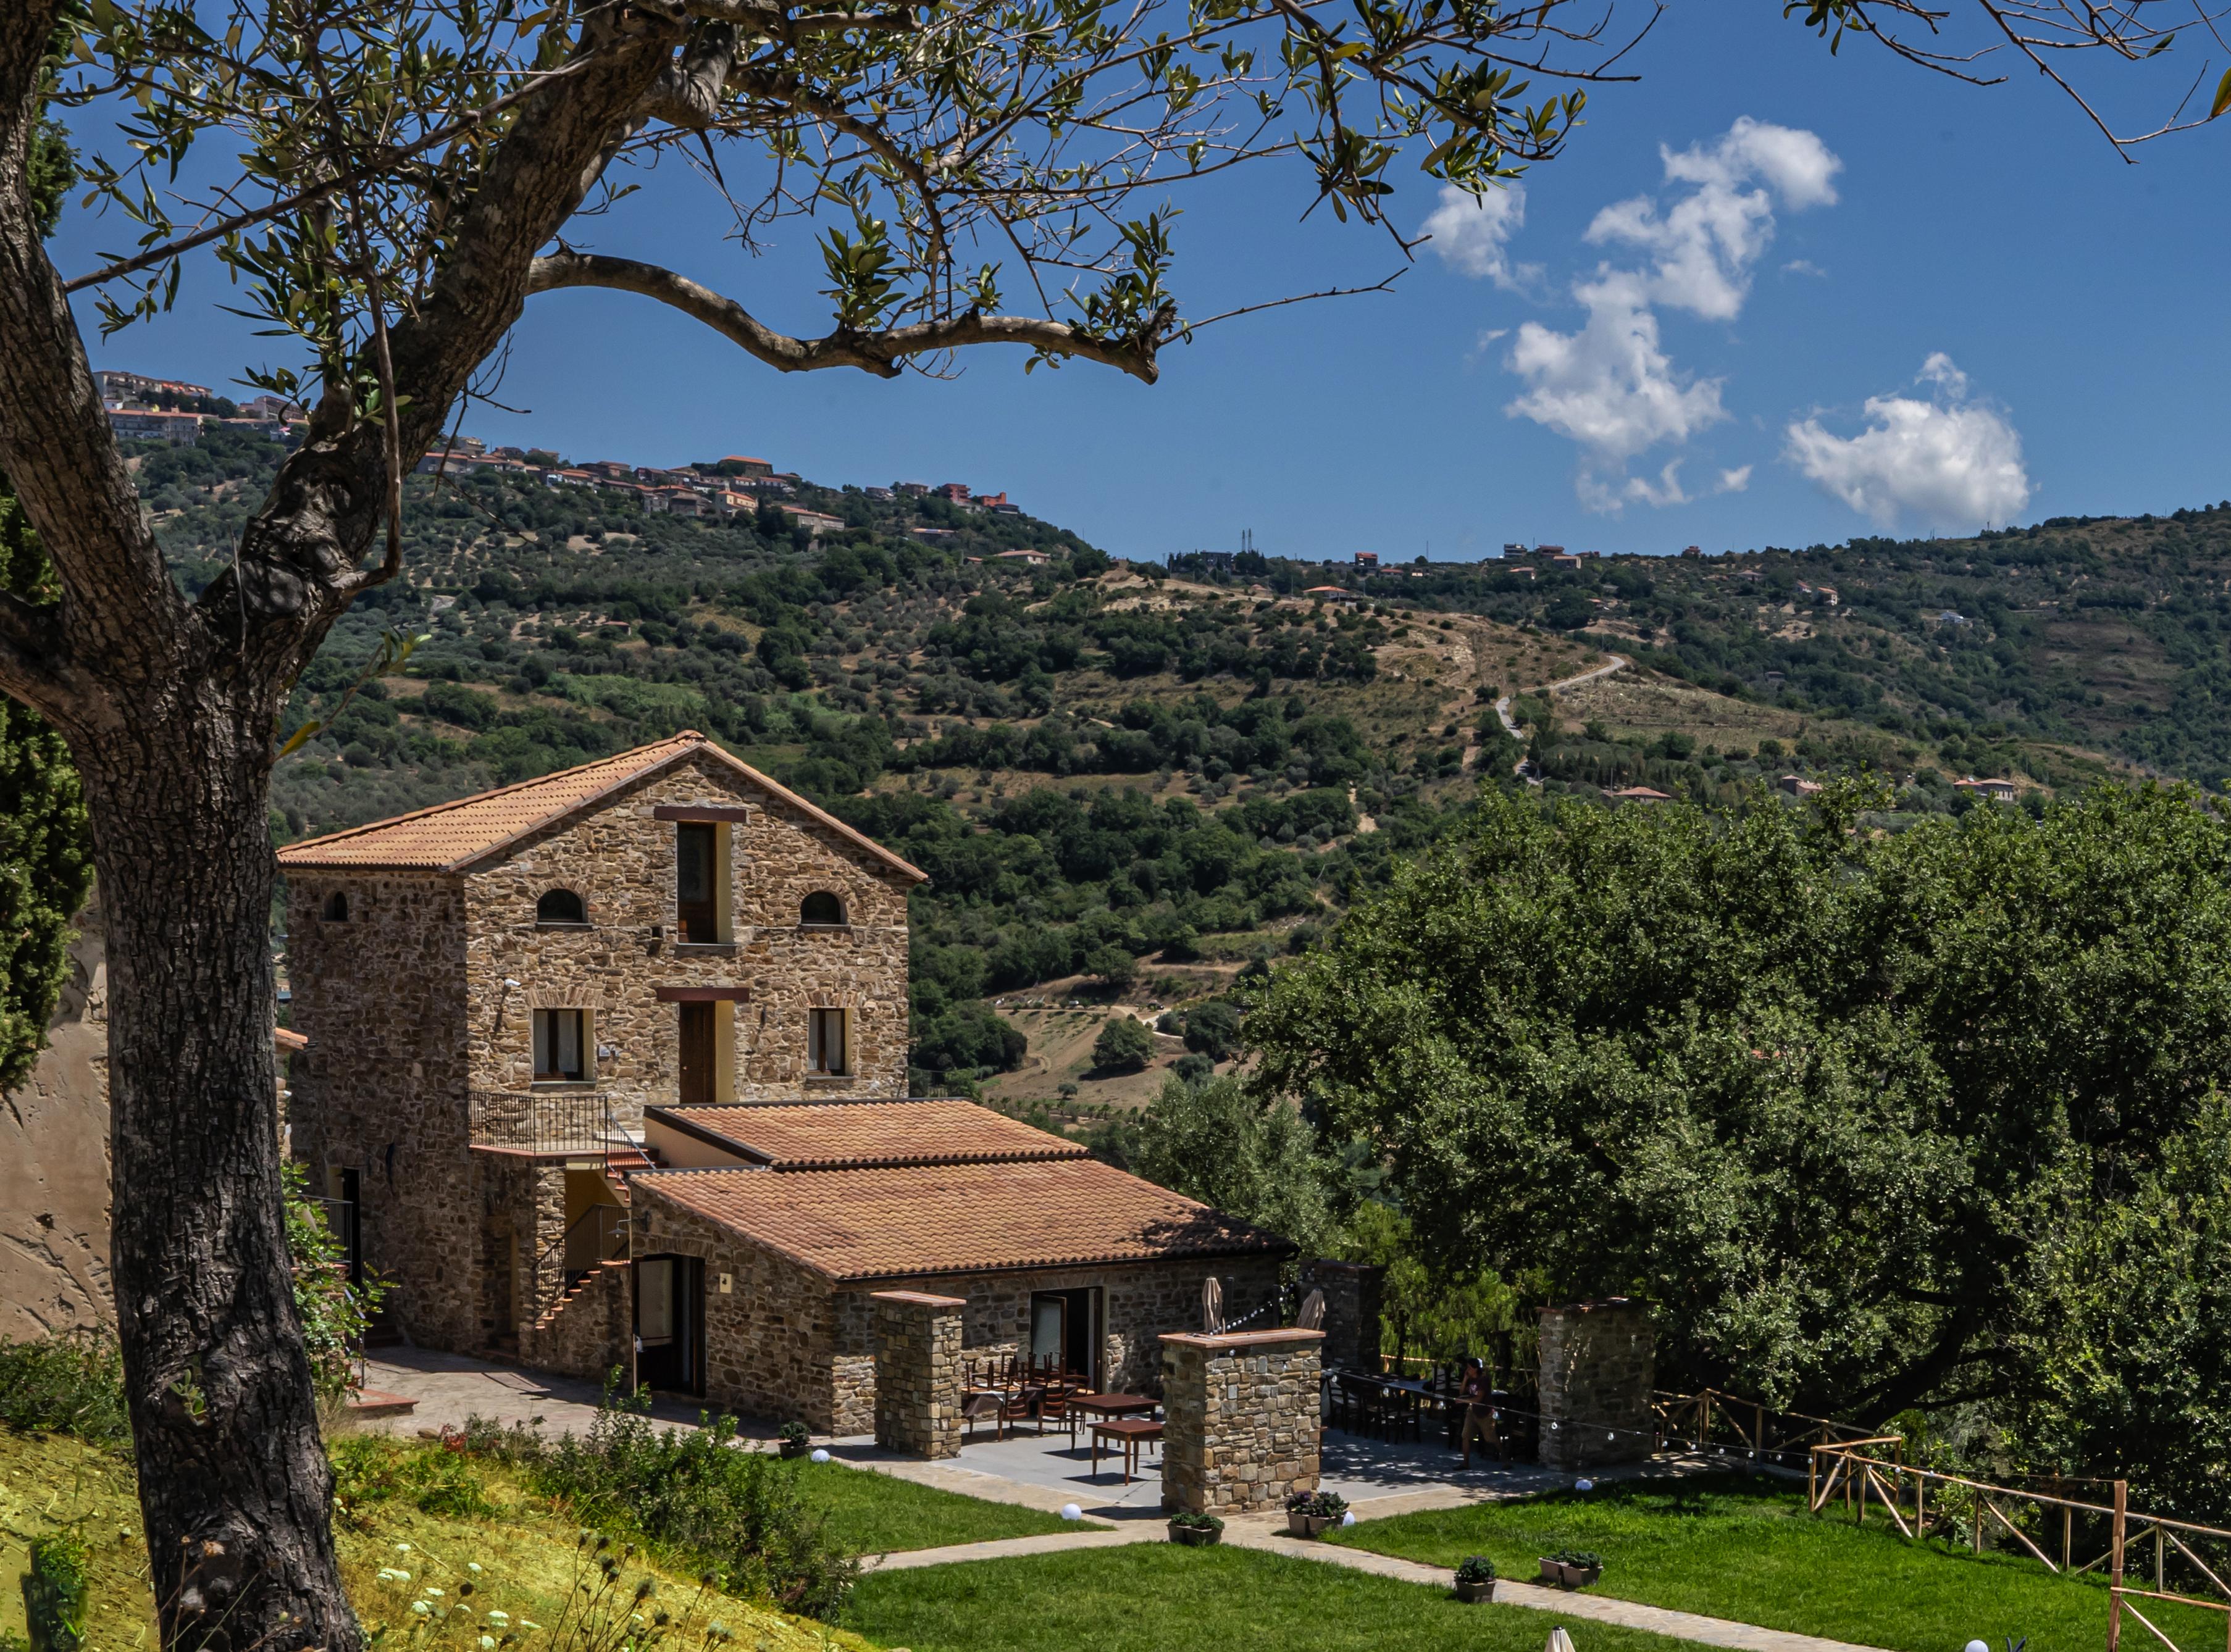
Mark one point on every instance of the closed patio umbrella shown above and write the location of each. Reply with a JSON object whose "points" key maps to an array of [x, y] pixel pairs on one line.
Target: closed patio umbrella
{"points": [[1212, 1305]]}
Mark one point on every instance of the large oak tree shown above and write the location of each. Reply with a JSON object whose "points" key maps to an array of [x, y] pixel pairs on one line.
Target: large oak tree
{"points": [[390, 182]]}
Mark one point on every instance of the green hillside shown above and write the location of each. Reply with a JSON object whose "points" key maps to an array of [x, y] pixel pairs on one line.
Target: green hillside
{"points": [[1128, 784]]}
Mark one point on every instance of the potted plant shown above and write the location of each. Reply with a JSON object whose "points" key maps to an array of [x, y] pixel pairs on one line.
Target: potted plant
{"points": [[794, 1438], [1193, 1530], [1308, 1514], [1572, 1568], [1476, 1579]]}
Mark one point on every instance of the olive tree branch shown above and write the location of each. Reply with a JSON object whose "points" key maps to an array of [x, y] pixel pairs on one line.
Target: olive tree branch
{"points": [[881, 352]]}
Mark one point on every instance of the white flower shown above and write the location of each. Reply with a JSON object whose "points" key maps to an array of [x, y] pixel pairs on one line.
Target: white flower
{"points": [[421, 1608], [487, 1643], [472, 1566], [500, 1619], [430, 1590], [528, 1624], [402, 1548]]}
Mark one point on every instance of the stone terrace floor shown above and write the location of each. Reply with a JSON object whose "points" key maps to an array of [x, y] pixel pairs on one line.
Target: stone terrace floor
{"points": [[1357, 1468]]}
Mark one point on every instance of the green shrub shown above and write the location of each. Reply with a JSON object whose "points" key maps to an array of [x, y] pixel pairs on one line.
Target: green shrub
{"points": [[436, 1479], [1475, 1568], [699, 1494], [66, 1383], [53, 1593]]}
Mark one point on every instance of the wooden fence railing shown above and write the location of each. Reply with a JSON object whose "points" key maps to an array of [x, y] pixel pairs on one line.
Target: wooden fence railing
{"points": [[1709, 1422], [1963, 1507]]}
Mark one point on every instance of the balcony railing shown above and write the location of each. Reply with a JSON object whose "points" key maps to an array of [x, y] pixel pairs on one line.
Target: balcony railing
{"points": [[532, 1121]]}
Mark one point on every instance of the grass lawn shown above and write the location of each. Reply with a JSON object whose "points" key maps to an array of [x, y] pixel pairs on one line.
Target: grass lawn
{"points": [[877, 1513], [1729, 1546], [1159, 1597]]}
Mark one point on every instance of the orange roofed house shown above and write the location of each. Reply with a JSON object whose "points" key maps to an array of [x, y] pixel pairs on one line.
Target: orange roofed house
{"points": [[610, 1068]]}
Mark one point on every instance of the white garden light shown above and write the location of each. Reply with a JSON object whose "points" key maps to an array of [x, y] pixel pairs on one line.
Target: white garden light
{"points": [[1071, 1512], [820, 1455]]}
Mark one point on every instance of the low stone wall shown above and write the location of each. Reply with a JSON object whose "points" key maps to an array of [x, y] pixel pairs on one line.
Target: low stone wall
{"points": [[918, 1388], [1598, 1366], [1242, 1418], [1352, 1295]]}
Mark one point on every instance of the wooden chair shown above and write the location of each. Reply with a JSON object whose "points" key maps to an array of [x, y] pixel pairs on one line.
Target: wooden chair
{"points": [[1023, 1403], [1053, 1404]]}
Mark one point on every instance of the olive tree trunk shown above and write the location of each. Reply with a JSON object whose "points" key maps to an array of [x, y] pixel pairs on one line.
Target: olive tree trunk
{"points": [[233, 1481]]}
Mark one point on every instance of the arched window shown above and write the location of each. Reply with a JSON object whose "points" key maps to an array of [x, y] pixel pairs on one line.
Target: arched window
{"points": [[560, 907], [336, 908], [821, 908]]}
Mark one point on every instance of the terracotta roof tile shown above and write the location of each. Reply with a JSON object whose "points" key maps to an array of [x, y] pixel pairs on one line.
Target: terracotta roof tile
{"points": [[860, 1135], [859, 1224], [451, 836]]}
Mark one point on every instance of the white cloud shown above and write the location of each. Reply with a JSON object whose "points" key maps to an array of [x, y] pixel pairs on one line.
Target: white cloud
{"points": [[1951, 462], [1734, 481], [1611, 386], [1707, 241], [1471, 233], [1803, 267]]}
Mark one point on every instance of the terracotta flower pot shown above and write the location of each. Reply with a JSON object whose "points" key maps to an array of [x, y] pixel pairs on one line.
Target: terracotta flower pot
{"points": [[1306, 1525], [796, 1447], [1565, 1577], [1194, 1537], [1472, 1593]]}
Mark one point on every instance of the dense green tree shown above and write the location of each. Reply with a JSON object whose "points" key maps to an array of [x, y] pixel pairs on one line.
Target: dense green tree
{"points": [[1124, 1045], [1257, 1160], [1871, 1120]]}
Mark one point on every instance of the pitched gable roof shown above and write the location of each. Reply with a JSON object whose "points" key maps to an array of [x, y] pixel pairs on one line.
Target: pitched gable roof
{"points": [[865, 1135], [454, 836], [852, 1224]]}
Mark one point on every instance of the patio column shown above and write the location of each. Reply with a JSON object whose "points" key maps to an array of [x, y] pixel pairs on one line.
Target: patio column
{"points": [[918, 1372], [1598, 1366], [1240, 1411]]}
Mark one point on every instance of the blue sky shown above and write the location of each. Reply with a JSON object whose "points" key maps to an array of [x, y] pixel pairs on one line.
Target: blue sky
{"points": [[1857, 296]]}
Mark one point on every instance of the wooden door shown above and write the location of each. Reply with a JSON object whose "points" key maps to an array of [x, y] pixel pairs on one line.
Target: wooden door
{"points": [[696, 1086]]}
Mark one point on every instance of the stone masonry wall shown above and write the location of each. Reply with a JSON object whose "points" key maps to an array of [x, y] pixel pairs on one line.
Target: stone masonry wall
{"points": [[770, 1336], [621, 862], [918, 1388], [1139, 1301], [1242, 1412], [1353, 1293], [1597, 1366], [381, 1090]]}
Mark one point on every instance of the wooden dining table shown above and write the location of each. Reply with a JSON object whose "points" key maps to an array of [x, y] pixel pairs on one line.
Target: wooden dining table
{"points": [[1109, 1405], [1127, 1435]]}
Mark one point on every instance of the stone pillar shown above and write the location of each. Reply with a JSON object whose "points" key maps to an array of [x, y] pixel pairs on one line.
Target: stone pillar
{"points": [[1242, 1418], [1352, 1295], [1597, 1370], [918, 1376]]}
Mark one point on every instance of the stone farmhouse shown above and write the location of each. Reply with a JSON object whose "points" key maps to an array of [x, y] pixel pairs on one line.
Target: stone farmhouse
{"points": [[608, 1068]]}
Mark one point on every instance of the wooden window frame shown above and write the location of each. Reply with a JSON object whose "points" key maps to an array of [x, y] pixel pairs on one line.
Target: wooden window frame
{"points": [[585, 1034], [817, 1041]]}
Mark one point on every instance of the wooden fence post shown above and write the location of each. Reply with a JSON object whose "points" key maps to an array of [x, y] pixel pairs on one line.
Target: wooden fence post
{"points": [[1813, 1479], [2161, 1567], [2115, 1568], [1975, 1542], [2067, 1535], [1920, 1503]]}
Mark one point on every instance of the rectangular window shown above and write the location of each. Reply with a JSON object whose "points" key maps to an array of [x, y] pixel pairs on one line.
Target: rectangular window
{"points": [[825, 1041], [561, 1042], [696, 904]]}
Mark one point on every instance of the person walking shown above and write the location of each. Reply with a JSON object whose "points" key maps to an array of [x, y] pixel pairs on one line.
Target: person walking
{"points": [[1478, 1412]]}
